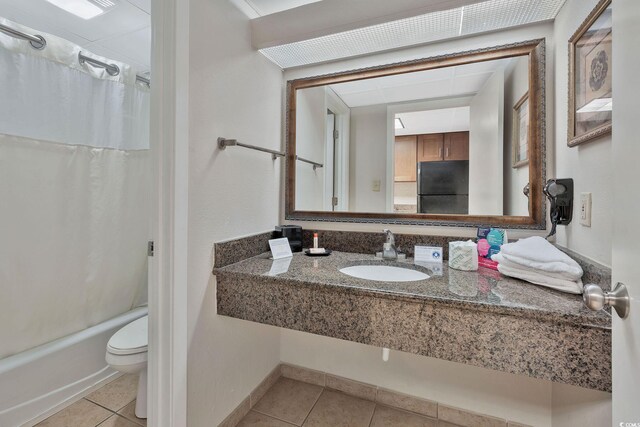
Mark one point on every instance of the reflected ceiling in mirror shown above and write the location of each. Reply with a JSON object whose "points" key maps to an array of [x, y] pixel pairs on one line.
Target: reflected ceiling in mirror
{"points": [[423, 142]]}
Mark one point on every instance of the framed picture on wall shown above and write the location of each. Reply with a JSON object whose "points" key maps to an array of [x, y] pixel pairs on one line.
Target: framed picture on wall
{"points": [[520, 138], [590, 100]]}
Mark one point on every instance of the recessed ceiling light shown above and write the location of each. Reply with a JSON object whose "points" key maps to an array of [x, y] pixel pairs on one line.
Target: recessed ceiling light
{"points": [[399, 124], [85, 9]]}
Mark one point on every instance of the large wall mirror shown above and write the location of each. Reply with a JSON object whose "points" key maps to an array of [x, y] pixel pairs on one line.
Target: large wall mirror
{"points": [[447, 140]]}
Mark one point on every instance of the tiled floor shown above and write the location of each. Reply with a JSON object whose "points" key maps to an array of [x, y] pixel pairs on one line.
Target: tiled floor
{"points": [[112, 405], [294, 403]]}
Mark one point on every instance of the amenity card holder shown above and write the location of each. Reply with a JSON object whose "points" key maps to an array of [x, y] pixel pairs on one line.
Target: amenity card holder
{"points": [[427, 254], [280, 248]]}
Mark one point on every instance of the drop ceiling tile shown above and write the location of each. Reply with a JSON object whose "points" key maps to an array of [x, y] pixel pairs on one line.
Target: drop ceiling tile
{"points": [[267, 7], [418, 91], [481, 67], [145, 5], [495, 14], [362, 99], [124, 18], [476, 18], [391, 35], [419, 77], [135, 45], [469, 84], [435, 121], [38, 21], [356, 86]]}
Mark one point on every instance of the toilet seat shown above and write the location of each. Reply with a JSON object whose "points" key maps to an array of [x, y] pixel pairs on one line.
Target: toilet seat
{"points": [[131, 339], [127, 353]]}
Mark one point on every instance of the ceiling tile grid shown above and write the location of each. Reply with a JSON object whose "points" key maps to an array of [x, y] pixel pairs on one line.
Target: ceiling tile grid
{"points": [[480, 17]]}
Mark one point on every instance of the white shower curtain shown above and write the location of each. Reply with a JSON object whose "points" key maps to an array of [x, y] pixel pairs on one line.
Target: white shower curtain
{"points": [[74, 191]]}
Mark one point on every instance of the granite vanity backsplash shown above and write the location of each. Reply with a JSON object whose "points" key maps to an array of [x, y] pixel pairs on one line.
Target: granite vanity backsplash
{"points": [[232, 251]]}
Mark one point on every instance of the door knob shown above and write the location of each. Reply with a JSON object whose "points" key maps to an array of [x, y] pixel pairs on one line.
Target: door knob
{"points": [[596, 299]]}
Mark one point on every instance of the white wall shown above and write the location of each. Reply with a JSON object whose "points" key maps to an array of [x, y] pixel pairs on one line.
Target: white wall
{"points": [[574, 406], [589, 164], [486, 130], [516, 84], [311, 113], [234, 92], [368, 159]]}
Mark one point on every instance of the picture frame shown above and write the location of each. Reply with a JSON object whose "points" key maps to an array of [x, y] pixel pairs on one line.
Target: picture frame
{"points": [[590, 89], [520, 133]]}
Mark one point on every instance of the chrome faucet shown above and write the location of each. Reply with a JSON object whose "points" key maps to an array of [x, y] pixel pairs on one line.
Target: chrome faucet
{"points": [[389, 248]]}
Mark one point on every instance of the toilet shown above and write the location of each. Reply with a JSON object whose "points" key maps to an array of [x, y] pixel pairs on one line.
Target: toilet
{"points": [[127, 352]]}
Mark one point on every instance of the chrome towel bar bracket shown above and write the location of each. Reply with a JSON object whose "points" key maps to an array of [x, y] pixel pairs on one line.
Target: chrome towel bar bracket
{"points": [[223, 143], [315, 164]]}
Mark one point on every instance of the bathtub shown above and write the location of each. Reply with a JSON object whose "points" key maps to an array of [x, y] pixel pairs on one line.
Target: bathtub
{"points": [[36, 383]]}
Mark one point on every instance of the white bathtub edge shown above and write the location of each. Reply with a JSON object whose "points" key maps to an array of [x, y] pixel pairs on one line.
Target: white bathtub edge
{"points": [[38, 382]]}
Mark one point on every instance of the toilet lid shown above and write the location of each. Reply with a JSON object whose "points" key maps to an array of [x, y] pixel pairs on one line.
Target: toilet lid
{"points": [[131, 339]]}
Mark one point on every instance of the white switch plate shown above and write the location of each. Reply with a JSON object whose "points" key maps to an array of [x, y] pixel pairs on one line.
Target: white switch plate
{"points": [[376, 185], [585, 209]]}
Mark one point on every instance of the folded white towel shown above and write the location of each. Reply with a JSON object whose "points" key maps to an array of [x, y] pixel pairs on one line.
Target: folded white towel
{"points": [[573, 287], [499, 258], [537, 254]]}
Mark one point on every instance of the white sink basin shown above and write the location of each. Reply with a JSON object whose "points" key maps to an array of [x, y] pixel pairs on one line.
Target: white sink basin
{"points": [[384, 273]]}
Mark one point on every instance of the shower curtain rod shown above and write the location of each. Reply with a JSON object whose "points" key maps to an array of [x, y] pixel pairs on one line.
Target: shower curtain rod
{"points": [[36, 41], [39, 42]]}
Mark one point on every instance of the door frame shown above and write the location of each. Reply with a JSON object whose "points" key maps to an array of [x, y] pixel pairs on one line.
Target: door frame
{"points": [[342, 114], [167, 363]]}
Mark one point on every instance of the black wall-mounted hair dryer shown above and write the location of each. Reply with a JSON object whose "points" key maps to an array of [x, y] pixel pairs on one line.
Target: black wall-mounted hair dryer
{"points": [[560, 195]]}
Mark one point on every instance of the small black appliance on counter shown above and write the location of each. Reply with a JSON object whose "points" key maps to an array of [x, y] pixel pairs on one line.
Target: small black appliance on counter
{"points": [[291, 232]]}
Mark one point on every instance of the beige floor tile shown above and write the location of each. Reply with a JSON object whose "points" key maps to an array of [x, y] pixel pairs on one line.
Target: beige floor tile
{"points": [[389, 417], [467, 418], [80, 414], [129, 412], [289, 400], [256, 419], [117, 421], [337, 409], [117, 394]]}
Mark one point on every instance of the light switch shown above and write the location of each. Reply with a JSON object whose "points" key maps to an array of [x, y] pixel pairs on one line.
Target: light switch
{"points": [[585, 209], [376, 185]]}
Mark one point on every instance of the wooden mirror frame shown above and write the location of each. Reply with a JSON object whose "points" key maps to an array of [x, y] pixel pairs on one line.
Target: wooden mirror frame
{"points": [[534, 49]]}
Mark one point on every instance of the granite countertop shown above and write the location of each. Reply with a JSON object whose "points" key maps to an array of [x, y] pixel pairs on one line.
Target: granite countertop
{"points": [[483, 290]]}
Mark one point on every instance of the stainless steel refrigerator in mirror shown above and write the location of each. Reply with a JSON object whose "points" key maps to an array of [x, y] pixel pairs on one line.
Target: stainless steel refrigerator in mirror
{"points": [[443, 187]]}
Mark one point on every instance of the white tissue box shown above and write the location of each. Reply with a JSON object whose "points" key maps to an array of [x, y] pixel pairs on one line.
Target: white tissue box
{"points": [[463, 255]]}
